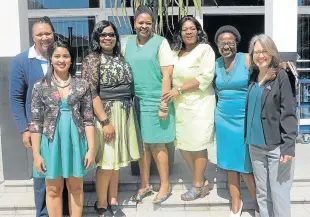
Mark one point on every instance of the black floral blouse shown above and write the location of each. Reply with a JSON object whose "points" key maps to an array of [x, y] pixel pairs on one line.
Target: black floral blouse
{"points": [[101, 71]]}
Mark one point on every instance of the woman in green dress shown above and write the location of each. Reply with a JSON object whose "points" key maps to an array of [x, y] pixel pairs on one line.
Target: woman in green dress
{"points": [[110, 80], [62, 131], [151, 61]]}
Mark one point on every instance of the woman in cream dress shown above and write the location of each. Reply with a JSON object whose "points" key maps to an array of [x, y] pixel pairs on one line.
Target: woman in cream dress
{"points": [[194, 100]]}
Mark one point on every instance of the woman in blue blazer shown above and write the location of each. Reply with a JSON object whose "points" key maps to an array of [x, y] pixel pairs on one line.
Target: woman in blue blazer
{"points": [[29, 67]]}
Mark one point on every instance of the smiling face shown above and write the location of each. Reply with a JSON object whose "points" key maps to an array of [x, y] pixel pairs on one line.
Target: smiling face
{"points": [[144, 25], [61, 60], [43, 37], [261, 57], [107, 39], [227, 45], [189, 33]]}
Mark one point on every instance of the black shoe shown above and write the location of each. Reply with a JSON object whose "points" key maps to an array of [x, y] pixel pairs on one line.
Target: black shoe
{"points": [[116, 210], [102, 212]]}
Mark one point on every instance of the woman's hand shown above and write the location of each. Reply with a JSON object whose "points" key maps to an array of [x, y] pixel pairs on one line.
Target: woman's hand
{"points": [[39, 164], [271, 74], [109, 132], [162, 115], [285, 158], [169, 96], [89, 159]]}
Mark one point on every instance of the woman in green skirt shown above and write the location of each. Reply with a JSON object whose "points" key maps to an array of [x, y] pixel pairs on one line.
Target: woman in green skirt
{"points": [[62, 131], [151, 61], [111, 86]]}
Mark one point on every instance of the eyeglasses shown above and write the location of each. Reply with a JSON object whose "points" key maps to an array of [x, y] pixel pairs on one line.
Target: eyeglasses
{"points": [[257, 53], [228, 43], [106, 34]]}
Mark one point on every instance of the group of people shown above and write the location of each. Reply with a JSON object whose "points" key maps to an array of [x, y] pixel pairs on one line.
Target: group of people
{"points": [[133, 100]]}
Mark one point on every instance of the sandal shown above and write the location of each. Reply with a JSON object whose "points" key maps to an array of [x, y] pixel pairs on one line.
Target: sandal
{"points": [[102, 212], [116, 210], [191, 194], [164, 198], [138, 197]]}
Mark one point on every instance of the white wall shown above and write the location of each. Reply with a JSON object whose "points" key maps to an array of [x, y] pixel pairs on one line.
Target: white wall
{"points": [[14, 36], [281, 23]]}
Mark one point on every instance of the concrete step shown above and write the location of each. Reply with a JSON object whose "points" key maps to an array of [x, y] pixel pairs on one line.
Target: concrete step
{"points": [[218, 200]]}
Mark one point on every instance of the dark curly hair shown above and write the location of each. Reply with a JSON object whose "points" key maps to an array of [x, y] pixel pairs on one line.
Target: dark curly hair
{"points": [[50, 70], [94, 42], [228, 29], [178, 44]]}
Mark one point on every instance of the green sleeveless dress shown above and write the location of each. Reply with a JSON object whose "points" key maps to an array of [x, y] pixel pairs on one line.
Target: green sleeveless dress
{"points": [[147, 77]]}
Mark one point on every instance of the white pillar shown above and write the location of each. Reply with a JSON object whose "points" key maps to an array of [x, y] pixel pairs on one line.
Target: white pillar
{"points": [[14, 37], [281, 24]]}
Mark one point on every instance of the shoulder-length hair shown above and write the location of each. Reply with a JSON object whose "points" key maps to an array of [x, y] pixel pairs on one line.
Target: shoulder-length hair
{"points": [[271, 48], [178, 44], [95, 36], [50, 69]]}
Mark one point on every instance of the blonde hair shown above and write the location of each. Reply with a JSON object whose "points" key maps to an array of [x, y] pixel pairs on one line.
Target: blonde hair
{"points": [[269, 45]]}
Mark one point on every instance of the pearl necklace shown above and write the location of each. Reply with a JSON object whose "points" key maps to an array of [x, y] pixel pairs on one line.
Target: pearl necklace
{"points": [[61, 84]]}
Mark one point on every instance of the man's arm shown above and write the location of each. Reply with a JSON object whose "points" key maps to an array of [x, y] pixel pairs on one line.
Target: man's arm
{"points": [[17, 98]]}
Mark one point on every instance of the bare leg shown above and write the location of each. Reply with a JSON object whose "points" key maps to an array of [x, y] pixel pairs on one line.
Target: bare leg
{"points": [[249, 180], [144, 165], [187, 156], [233, 182], [103, 178], [76, 195], [54, 189], [113, 188], [160, 155], [201, 160]]}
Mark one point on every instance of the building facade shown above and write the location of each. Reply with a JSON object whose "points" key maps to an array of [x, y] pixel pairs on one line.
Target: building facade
{"points": [[286, 21]]}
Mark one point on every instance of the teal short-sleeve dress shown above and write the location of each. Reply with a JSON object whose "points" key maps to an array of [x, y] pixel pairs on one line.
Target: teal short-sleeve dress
{"points": [[147, 76]]}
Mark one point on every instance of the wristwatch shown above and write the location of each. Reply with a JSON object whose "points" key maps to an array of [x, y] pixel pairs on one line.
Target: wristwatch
{"points": [[180, 90], [105, 122]]}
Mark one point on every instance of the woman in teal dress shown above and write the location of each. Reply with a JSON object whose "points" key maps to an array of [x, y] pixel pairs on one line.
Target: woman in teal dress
{"points": [[151, 61], [231, 83], [62, 131]]}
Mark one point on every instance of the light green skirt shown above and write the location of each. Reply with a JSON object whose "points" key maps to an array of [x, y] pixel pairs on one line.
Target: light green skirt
{"points": [[124, 147]]}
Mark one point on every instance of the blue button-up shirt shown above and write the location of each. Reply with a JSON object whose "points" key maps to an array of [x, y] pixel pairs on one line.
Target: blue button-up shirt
{"points": [[255, 133]]}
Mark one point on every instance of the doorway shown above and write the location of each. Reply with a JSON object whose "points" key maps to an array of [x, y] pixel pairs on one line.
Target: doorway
{"points": [[247, 25]]}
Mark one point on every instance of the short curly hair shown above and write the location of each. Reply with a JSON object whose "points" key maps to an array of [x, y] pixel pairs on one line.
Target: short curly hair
{"points": [[228, 29], [177, 42]]}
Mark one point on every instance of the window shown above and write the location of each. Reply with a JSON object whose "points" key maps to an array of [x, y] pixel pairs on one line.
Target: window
{"points": [[303, 40], [82, 28], [303, 2], [233, 2], [62, 4]]}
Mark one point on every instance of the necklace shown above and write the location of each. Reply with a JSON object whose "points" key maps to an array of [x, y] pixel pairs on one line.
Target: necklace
{"points": [[62, 84], [227, 77]]}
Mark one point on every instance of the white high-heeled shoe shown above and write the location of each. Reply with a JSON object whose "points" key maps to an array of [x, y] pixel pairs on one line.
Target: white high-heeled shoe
{"points": [[238, 214]]}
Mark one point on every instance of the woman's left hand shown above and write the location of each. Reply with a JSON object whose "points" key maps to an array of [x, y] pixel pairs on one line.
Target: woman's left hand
{"points": [[169, 96], [285, 158], [162, 115], [89, 159]]}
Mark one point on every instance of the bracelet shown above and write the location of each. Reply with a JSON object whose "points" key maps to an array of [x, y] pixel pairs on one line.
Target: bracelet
{"points": [[163, 107], [105, 122], [163, 110]]}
